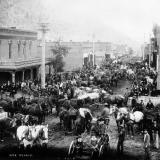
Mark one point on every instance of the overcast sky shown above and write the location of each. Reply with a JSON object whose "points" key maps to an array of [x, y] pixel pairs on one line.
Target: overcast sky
{"points": [[132, 18]]}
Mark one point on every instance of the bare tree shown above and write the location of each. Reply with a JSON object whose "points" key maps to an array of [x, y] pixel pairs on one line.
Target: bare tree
{"points": [[59, 51]]}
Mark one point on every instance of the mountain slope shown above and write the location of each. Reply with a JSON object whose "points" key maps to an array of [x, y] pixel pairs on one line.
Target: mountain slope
{"points": [[26, 14]]}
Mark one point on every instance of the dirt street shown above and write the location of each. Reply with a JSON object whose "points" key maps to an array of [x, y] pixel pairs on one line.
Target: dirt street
{"points": [[59, 142]]}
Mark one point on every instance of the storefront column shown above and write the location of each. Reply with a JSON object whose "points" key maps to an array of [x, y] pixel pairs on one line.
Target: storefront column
{"points": [[13, 77], [23, 75], [31, 76], [49, 69], [38, 72]]}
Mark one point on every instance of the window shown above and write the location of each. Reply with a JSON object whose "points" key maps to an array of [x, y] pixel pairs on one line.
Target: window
{"points": [[24, 48], [10, 48], [19, 47], [30, 45]]}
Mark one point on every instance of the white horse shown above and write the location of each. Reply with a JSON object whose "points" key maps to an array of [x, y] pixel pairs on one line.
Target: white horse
{"points": [[128, 116], [114, 110], [39, 134], [149, 80], [24, 136], [130, 71], [136, 116], [29, 135]]}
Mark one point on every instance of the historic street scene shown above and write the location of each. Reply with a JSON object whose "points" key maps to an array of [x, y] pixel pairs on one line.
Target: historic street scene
{"points": [[80, 79]]}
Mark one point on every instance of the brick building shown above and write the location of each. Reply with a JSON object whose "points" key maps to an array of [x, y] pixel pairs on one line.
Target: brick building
{"points": [[20, 55]]}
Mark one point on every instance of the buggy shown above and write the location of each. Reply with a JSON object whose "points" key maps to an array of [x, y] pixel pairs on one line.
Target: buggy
{"points": [[82, 146]]}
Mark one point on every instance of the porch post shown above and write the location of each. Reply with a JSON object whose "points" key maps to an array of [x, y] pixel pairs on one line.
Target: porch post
{"points": [[13, 77]]}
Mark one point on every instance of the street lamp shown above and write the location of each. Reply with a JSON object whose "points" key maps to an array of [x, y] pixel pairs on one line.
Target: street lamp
{"points": [[43, 28]]}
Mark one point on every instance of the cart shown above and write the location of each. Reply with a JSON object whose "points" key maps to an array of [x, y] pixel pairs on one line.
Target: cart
{"points": [[81, 147]]}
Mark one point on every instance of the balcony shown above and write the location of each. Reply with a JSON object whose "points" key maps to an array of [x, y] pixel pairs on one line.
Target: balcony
{"points": [[11, 64]]}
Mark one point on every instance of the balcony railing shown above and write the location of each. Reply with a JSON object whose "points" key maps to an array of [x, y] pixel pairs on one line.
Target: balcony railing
{"points": [[21, 63]]}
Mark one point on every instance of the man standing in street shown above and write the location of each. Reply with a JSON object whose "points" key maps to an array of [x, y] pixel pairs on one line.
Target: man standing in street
{"points": [[121, 138], [149, 105], [147, 145]]}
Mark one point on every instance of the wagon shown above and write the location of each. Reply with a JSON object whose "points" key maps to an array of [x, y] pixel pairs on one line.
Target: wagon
{"points": [[81, 147]]}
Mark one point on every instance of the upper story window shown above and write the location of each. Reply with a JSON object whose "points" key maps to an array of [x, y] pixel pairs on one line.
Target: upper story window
{"points": [[10, 48], [24, 48], [30, 45], [19, 46]]}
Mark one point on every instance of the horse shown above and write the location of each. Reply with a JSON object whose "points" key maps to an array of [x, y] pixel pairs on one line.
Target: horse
{"points": [[83, 121], [8, 125], [124, 116], [34, 110], [114, 99], [52, 101], [23, 135], [39, 134], [31, 135], [105, 116], [149, 80], [8, 106], [64, 118], [132, 118]]}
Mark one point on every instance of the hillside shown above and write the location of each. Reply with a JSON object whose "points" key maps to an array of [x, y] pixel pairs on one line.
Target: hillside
{"points": [[26, 14]]}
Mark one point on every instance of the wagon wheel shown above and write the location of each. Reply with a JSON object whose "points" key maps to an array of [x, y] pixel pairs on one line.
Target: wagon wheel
{"points": [[94, 155], [71, 149], [101, 150]]}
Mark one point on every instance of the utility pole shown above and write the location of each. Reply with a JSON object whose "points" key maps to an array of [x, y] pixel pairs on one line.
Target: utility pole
{"points": [[150, 50], [149, 56], [93, 49], [43, 29]]}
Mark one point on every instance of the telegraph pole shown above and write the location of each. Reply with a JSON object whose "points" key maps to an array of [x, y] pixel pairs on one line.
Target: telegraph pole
{"points": [[93, 49], [150, 51], [43, 29]]}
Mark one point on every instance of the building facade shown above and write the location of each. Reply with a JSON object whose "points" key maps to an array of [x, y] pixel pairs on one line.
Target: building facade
{"points": [[155, 50], [20, 55]]}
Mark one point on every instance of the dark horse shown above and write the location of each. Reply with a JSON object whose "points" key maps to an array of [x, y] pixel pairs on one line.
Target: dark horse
{"points": [[67, 118], [83, 124], [34, 110]]}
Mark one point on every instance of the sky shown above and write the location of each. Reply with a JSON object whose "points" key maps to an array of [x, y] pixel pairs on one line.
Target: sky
{"points": [[131, 18]]}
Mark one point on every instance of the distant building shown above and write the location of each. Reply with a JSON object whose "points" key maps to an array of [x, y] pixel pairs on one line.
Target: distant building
{"points": [[76, 49], [89, 59], [155, 51], [20, 55]]}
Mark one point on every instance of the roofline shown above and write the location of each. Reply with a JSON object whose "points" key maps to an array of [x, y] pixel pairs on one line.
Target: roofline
{"points": [[15, 29]]}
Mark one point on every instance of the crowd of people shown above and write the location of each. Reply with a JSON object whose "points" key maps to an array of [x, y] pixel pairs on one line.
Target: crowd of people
{"points": [[63, 86]]}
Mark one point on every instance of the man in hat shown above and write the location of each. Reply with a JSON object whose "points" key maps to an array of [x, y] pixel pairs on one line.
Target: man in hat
{"points": [[147, 145], [141, 106], [121, 138], [93, 141], [79, 144], [149, 105], [105, 114]]}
